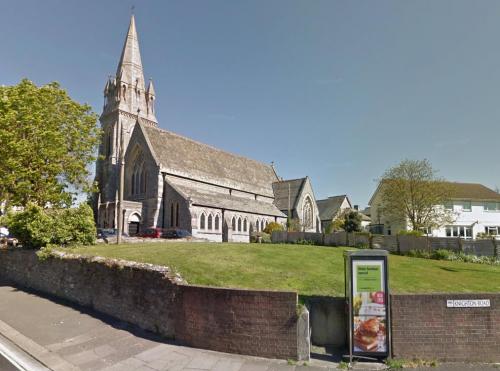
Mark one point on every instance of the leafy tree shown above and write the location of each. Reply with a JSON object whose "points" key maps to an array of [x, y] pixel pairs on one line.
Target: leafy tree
{"points": [[352, 221], [273, 226], [412, 192], [48, 141]]}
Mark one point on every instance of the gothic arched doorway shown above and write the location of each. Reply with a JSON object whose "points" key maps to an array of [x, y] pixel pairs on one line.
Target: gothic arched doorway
{"points": [[133, 224]]}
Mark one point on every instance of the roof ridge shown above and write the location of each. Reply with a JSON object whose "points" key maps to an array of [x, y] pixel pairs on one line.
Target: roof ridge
{"points": [[291, 180]]}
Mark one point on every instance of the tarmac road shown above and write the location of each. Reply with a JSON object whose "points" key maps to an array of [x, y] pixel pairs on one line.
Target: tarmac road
{"points": [[6, 365]]}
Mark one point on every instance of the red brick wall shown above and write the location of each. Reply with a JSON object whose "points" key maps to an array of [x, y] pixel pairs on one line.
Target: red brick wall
{"points": [[423, 327], [261, 323]]}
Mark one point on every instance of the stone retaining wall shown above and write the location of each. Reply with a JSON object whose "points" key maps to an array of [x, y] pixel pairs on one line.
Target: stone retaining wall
{"points": [[259, 323]]}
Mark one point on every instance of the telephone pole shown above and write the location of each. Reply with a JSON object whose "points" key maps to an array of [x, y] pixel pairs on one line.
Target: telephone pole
{"points": [[120, 190]]}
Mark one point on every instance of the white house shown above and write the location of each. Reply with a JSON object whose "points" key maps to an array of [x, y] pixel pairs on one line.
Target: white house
{"points": [[476, 209]]}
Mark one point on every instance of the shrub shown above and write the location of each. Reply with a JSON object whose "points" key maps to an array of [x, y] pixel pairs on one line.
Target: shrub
{"points": [[36, 227], [273, 226], [265, 237], [301, 241], [293, 225], [442, 254], [418, 254]]}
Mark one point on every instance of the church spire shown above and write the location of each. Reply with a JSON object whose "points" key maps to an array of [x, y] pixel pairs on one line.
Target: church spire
{"points": [[130, 66]]}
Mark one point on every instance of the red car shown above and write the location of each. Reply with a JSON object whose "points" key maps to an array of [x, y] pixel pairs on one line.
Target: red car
{"points": [[152, 232]]}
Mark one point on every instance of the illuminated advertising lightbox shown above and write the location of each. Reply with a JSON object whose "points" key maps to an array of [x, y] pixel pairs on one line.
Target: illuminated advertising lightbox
{"points": [[367, 296]]}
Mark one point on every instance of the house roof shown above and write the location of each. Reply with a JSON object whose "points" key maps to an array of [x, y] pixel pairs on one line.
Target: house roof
{"points": [[223, 200], [187, 158], [463, 191], [286, 190], [473, 191], [329, 207]]}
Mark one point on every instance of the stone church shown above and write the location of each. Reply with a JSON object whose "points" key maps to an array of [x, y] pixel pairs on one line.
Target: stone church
{"points": [[171, 181]]}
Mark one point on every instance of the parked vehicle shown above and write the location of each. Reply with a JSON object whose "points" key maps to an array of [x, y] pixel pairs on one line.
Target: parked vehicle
{"points": [[6, 238], [107, 233], [176, 233], [153, 232]]}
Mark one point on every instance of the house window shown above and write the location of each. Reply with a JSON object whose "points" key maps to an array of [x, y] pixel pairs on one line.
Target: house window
{"points": [[461, 231], [210, 222], [466, 206], [217, 222], [492, 206], [202, 221], [492, 231], [448, 205]]}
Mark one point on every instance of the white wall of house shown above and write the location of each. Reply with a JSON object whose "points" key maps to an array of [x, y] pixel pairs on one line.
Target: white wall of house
{"points": [[475, 217]]}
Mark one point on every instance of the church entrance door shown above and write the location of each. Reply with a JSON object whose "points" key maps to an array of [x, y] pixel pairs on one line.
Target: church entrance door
{"points": [[133, 224]]}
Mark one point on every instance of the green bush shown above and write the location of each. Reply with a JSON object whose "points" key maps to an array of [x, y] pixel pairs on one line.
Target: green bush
{"points": [[442, 254], [265, 237], [36, 227], [33, 227], [273, 226], [418, 254], [301, 241]]}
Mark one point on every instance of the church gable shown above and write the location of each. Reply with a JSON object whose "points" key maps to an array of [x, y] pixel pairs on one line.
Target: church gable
{"points": [[187, 158], [141, 167]]}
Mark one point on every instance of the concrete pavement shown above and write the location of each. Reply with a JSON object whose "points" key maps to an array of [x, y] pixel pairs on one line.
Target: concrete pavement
{"points": [[66, 337]]}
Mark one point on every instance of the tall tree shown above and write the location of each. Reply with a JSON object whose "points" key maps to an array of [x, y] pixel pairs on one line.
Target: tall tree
{"points": [[352, 221], [412, 192], [47, 142]]}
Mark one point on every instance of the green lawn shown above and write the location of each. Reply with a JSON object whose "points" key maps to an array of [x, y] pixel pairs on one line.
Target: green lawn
{"points": [[309, 270]]}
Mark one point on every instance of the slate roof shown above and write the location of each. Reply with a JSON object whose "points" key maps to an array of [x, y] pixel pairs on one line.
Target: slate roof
{"points": [[281, 190], [185, 157], [223, 200], [329, 207], [473, 191]]}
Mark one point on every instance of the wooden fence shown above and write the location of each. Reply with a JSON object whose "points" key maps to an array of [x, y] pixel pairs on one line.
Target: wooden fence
{"points": [[396, 243]]}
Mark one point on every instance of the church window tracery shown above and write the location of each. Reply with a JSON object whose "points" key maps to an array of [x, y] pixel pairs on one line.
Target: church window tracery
{"points": [[171, 214], [239, 224], [308, 214], [202, 221], [245, 225], [233, 224], [217, 222], [209, 222], [177, 214], [257, 225]]}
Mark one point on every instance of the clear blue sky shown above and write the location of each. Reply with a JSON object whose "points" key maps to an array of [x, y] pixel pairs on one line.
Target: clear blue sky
{"points": [[337, 90]]}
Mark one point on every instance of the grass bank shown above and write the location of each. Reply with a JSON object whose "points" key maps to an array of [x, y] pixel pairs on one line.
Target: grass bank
{"points": [[309, 270]]}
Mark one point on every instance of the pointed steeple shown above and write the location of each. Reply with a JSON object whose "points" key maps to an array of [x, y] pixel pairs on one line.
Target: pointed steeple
{"points": [[151, 89], [130, 66]]}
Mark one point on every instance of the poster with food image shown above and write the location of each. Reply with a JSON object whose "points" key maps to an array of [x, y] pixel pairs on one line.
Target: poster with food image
{"points": [[369, 306]]}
